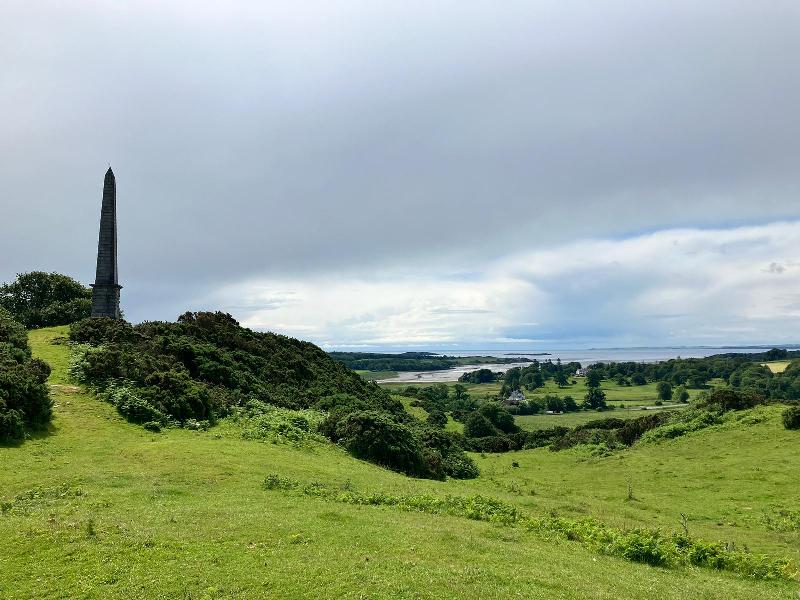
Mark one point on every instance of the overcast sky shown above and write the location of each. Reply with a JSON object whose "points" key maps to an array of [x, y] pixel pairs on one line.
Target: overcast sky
{"points": [[404, 174]]}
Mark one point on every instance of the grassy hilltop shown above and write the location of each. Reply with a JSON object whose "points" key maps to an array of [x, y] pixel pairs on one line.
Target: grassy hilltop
{"points": [[101, 508]]}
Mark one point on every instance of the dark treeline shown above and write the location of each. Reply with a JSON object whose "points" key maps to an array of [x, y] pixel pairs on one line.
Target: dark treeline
{"points": [[410, 361], [406, 361]]}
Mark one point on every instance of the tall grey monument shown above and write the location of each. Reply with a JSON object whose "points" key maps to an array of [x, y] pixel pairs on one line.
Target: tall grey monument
{"points": [[105, 290]]}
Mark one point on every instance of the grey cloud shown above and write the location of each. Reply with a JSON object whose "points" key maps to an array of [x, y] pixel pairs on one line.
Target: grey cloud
{"points": [[272, 139]]}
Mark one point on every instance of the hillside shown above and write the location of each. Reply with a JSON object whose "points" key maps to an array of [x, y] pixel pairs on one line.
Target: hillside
{"points": [[100, 508]]}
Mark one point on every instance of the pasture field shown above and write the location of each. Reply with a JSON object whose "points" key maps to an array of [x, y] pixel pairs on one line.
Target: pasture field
{"points": [[100, 508], [534, 422], [628, 396], [777, 366]]}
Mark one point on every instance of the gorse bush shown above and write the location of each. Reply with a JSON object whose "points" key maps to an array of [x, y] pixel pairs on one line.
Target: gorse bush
{"points": [[791, 417], [206, 366], [24, 397], [41, 299]]}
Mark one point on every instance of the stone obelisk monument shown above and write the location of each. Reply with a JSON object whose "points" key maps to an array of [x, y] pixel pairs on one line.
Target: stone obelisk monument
{"points": [[105, 290]]}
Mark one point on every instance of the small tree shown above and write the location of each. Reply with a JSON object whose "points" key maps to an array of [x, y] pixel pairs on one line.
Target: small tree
{"points": [[791, 417], [664, 391], [460, 393], [477, 425], [595, 399], [680, 394], [593, 378]]}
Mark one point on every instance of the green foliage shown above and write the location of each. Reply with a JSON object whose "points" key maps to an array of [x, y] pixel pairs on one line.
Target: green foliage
{"points": [[791, 417], [726, 399], [437, 419], [681, 423], [40, 299], [479, 376], [379, 438], [277, 425], [24, 397], [205, 364], [593, 377], [478, 426], [680, 394], [595, 398], [648, 546], [664, 391], [498, 416]]}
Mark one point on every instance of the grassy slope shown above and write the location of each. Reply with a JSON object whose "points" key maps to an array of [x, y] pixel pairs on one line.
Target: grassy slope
{"points": [[777, 366], [182, 514]]}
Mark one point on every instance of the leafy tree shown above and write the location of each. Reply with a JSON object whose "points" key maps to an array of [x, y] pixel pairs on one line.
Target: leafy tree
{"points": [[569, 404], [595, 399], [533, 381], [40, 299], [477, 425], [560, 378], [554, 403], [593, 377], [479, 376], [727, 399], [638, 379], [664, 391], [680, 394], [498, 416], [460, 393]]}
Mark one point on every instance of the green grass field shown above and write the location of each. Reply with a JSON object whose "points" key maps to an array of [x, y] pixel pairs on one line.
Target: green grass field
{"points": [[99, 508], [634, 395]]}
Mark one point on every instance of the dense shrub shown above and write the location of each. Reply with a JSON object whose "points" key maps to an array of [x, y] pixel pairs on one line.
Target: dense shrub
{"points": [[377, 437], [681, 423], [39, 299], [726, 399], [24, 397], [633, 429], [479, 376], [437, 419], [478, 426], [791, 417], [205, 366]]}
